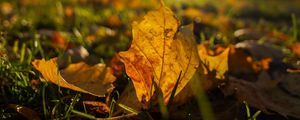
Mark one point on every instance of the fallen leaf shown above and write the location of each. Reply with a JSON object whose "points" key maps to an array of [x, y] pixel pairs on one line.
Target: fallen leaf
{"points": [[159, 54], [96, 80], [218, 64], [290, 83], [255, 49], [267, 93], [240, 62]]}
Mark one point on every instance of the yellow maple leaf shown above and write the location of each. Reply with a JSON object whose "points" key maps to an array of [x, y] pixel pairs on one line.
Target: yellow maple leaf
{"points": [[159, 53], [217, 64], [95, 80]]}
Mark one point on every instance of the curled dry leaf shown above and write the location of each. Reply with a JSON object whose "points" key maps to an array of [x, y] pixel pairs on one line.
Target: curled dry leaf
{"points": [[159, 53], [96, 80], [268, 94]]}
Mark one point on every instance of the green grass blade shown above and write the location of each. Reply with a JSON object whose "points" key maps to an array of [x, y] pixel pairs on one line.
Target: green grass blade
{"points": [[247, 109], [256, 114], [22, 56], [174, 91], [44, 101], [163, 108], [295, 27], [127, 108], [83, 114]]}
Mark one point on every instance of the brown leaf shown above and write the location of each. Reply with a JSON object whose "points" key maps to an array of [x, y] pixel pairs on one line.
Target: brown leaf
{"points": [[255, 49], [267, 94], [240, 61], [159, 53], [96, 80]]}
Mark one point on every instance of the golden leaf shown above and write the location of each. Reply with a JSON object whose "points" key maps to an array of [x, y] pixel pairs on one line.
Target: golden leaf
{"points": [[95, 80], [218, 64], [159, 53]]}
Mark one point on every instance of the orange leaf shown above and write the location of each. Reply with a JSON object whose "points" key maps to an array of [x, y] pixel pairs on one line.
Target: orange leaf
{"points": [[159, 53], [218, 64], [95, 80]]}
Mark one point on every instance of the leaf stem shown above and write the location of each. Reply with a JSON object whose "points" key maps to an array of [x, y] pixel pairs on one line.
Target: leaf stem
{"points": [[44, 100]]}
